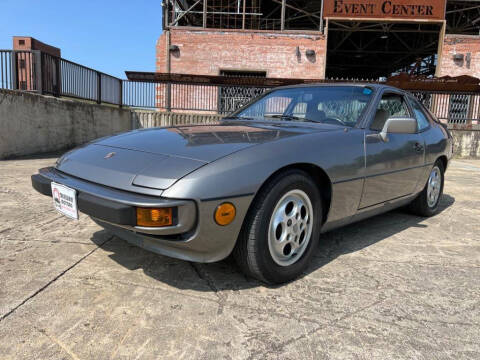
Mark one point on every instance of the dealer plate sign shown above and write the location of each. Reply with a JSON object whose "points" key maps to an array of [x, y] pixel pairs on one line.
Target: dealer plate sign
{"points": [[65, 200]]}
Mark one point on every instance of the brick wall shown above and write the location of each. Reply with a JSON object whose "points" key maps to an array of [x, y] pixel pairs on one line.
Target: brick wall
{"points": [[460, 44], [25, 61], [207, 52], [29, 43]]}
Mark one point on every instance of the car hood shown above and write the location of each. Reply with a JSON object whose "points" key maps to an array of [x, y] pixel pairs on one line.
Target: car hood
{"points": [[156, 158], [204, 142]]}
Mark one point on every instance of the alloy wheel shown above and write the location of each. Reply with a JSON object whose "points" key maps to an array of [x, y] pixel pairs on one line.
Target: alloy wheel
{"points": [[434, 187], [290, 227]]}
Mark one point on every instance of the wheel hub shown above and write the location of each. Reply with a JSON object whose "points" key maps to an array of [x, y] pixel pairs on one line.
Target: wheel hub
{"points": [[434, 187], [290, 227]]}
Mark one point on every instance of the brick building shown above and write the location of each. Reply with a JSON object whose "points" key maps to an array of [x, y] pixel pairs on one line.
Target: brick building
{"points": [[214, 52], [26, 50], [460, 55], [317, 39], [29, 43]]}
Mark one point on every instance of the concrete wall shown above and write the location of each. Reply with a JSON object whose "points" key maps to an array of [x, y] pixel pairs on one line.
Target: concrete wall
{"points": [[466, 142], [32, 124], [148, 119]]}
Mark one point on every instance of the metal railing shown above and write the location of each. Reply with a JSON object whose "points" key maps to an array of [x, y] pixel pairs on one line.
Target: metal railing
{"points": [[5, 70], [25, 75], [453, 108], [40, 72], [46, 74], [188, 97]]}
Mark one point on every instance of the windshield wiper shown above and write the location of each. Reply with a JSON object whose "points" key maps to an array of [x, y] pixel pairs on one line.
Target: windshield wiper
{"points": [[292, 117]]}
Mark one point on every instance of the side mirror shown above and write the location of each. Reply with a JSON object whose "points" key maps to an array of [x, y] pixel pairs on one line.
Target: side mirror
{"points": [[397, 125]]}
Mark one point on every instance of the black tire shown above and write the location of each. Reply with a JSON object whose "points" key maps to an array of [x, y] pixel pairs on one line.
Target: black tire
{"points": [[420, 206], [252, 252]]}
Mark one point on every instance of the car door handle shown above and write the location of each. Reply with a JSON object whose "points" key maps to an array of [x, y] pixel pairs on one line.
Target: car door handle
{"points": [[418, 147]]}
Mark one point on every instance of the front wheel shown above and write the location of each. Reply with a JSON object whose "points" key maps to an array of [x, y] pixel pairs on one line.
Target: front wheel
{"points": [[427, 202], [281, 230]]}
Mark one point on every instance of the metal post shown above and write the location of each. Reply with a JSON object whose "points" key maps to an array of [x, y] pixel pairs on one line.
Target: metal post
{"points": [[324, 70], [321, 16], [120, 101], [165, 23], [219, 100], [13, 69], [204, 13], [99, 88], [58, 90], [244, 11], [168, 104], [282, 25], [441, 39], [38, 71]]}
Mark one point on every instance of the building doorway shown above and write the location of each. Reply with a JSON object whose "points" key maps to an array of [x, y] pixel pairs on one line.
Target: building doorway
{"points": [[372, 49]]}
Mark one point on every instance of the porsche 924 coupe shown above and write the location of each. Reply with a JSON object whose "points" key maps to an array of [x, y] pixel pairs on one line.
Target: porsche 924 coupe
{"points": [[263, 183]]}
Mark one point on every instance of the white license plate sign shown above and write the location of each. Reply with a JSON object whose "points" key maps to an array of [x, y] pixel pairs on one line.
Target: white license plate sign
{"points": [[65, 200]]}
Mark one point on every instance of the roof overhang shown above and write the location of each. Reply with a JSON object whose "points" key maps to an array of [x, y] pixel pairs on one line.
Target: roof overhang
{"points": [[214, 79], [403, 81]]}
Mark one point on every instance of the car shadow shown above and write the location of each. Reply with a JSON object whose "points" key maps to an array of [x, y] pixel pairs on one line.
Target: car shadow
{"points": [[225, 275]]}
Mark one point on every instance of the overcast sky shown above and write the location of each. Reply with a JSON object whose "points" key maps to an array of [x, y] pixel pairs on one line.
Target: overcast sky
{"points": [[108, 35]]}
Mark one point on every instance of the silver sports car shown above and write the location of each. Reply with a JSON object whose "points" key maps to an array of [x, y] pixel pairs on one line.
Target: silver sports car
{"points": [[265, 182]]}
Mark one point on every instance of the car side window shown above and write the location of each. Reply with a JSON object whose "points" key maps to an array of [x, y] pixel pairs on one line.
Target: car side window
{"points": [[422, 119], [391, 105]]}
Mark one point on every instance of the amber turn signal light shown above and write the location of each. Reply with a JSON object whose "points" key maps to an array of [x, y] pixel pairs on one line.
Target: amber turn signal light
{"points": [[224, 214], [154, 217]]}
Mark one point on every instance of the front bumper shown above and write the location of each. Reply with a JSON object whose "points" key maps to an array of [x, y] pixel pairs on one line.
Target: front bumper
{"points": [[99, 208], [195, 236], [117, 206]]}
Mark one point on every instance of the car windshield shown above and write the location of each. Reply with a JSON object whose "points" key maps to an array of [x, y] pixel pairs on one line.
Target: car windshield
{"points": [[336, 105]]}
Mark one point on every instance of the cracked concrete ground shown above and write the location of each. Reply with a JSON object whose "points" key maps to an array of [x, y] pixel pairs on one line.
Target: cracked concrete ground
{"points": [[392, 287]]}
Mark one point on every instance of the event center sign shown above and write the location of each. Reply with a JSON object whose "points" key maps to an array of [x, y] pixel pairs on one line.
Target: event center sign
{"points": [[385, 9]]}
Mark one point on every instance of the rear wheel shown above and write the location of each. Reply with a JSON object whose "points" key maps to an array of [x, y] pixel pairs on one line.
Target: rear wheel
{"points": [[281, 230], [427, 202]]}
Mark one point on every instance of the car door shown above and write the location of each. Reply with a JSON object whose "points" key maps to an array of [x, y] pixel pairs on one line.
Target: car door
{"points": [[430, 137], [393, 167]]}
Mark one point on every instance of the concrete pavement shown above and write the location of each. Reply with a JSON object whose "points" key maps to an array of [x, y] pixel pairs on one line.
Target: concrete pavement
{"points": [[392, 287]]}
